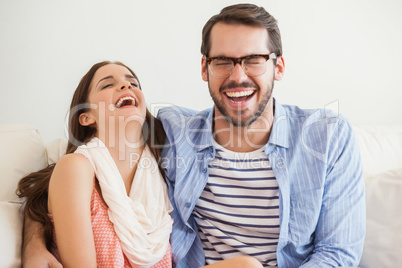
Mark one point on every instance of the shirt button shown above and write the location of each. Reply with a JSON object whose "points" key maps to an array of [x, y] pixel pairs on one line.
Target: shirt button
{"points": [[204, 170], [188, 204]]}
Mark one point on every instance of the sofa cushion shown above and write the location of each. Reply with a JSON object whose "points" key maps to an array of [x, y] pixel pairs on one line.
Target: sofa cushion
{"points": [[22, 152], [11, 221], [380, 147], [382, 246], [56, 149]]}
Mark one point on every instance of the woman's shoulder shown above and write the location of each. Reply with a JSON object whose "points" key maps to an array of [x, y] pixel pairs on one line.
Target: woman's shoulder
{"points": [[75, 167], [71, 183], [74, 161]]}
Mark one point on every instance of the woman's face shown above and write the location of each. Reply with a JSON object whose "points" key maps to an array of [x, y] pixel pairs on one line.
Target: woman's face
{"points": [[115, 98]]}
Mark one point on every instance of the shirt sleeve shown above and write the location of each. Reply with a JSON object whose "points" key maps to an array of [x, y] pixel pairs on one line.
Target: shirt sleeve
{"points": [[341, 227]]}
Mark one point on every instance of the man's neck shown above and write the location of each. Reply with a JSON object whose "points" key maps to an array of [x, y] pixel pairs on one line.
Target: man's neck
{"points": [[244, 139]]}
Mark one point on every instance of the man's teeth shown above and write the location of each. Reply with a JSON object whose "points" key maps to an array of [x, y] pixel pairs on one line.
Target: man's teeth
{"points": [[122, 100], [237, 94]]}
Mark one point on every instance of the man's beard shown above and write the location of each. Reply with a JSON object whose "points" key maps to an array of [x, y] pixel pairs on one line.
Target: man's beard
{"points": [[239, 123]]}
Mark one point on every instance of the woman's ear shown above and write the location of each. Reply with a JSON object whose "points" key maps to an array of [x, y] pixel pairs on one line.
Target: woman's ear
{"points": [[86, 119]]}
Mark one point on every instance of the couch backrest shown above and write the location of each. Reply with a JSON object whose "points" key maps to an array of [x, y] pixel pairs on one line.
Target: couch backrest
{"points": [[21, 152], [381, 147], [381, 151]]}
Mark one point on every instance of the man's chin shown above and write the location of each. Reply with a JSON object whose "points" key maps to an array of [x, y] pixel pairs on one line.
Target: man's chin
{"points": [[243, 121]]}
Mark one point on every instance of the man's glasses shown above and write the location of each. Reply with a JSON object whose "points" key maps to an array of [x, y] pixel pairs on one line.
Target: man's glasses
{"points": [[253, 65]]}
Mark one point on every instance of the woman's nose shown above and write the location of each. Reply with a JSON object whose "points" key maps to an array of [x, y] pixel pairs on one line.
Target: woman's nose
{"points": [[125, 85]]}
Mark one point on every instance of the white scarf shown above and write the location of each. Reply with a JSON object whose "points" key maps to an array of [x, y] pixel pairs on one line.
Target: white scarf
{"points": [[141, 220]]}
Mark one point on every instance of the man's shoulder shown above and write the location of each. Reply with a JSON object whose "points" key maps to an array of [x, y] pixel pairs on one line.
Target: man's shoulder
{"points": [[322, 116], [319, 126], [317, 134], [181, 117], [167, 112], [183, 124], [297, 113]]}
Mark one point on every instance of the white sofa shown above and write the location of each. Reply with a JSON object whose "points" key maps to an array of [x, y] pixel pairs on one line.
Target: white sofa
{"points": [[22, 151]]}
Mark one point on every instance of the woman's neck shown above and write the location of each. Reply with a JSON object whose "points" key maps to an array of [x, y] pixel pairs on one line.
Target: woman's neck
{"points": [[125, 147]]}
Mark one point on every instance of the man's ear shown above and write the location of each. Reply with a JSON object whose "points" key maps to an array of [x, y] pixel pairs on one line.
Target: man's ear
{"points": [[86, 119], [204, 69], [280, 68]]}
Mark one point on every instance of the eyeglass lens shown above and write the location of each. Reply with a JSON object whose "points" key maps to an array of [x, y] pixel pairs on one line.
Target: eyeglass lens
{"points": [[253, 66]]}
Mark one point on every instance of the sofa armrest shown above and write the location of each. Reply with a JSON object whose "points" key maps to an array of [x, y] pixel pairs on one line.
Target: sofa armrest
{"points": [[11, 221]]}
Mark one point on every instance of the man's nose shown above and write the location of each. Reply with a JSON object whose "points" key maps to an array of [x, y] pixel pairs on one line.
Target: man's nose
{"points": [[238, 73]]}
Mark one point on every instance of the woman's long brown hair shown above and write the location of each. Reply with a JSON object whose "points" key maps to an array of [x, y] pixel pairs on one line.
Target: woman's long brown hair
{"points": [[34, 187]]}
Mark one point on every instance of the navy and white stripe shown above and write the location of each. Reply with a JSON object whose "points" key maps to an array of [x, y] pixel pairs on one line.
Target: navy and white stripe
{"points": [[238, 212]]}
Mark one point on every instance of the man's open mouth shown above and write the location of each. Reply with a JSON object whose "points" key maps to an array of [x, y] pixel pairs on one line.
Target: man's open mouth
{"points": [[239, 96]]}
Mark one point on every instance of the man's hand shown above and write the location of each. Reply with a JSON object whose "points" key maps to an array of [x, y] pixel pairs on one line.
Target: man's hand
{"points": [[42, 258], [236, 262], [34, 251]]}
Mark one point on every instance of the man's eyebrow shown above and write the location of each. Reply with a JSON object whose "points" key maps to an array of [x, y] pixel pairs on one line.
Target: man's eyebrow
{"points": [[105, 78]]}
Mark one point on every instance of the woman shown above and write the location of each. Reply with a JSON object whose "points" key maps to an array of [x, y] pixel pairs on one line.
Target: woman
{"points": [[99, 218], [105, 202]]}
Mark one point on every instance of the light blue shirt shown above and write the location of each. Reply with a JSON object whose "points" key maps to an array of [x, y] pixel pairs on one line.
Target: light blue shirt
{"points": [[317, 164]]}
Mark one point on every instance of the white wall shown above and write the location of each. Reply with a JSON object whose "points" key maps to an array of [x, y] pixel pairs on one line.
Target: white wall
{"points": [[345, 54]]}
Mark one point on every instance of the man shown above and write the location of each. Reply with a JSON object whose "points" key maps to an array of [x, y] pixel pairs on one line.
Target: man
{"points": [[251, 176]]}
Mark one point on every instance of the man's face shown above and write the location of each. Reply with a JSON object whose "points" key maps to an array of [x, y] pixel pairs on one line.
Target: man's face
{"points": [[239, 97]]}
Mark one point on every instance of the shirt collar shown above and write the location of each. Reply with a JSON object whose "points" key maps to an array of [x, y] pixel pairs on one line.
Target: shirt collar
{"points": [[203, 122], [280, 129]]}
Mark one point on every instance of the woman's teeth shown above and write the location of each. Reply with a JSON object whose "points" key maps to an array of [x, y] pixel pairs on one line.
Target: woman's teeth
{"points": [[125, 101]]}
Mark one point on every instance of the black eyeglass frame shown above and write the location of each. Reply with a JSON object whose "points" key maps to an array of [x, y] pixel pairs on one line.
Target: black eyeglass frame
{"points": [[241, 59]]}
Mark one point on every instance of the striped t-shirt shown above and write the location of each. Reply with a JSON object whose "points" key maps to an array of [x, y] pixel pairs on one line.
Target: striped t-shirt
{"points": [[238, 212]]}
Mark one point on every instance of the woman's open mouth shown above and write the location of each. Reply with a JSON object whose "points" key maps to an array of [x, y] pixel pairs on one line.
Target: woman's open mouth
{"points": [[126, 101]]}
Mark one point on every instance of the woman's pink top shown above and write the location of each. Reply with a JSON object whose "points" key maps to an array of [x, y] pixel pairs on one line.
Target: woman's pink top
{"points": [[107, 244]]}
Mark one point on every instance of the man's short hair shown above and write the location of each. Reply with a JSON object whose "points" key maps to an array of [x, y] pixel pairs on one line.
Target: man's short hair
{"points": [[244, 14]]}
